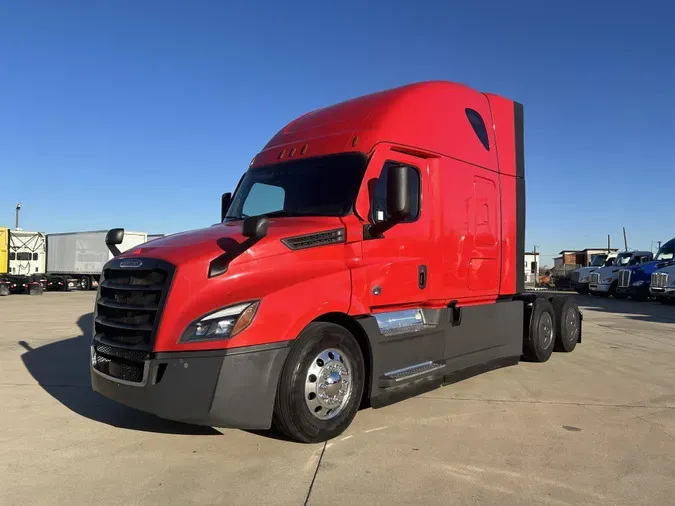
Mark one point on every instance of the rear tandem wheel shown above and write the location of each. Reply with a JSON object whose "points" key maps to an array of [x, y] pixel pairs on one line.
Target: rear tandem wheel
{"points": [[540, 331]]}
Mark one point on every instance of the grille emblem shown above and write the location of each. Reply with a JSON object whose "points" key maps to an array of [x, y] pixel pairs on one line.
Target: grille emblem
{"points": [[131, 263]]}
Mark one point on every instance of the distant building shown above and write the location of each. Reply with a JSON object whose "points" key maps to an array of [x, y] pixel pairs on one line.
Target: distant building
{"points": [[578, 258], [531, 267]]}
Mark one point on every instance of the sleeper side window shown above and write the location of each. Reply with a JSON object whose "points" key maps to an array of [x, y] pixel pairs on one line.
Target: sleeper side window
{"points": [[479, 127], [379, 204]]}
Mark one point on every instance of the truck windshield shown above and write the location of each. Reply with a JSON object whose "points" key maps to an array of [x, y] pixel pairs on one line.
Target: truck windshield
{"points": [[623, 259], [598, 260], [609, 262], [319, 186], [666, 251]]}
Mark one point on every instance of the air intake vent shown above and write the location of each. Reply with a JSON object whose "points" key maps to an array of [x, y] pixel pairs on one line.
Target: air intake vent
{"points": [[336, 236]]}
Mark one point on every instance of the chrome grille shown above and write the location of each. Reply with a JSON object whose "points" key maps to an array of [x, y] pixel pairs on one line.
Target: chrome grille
{"points": [[574, 277], [595, 278], [659, 280], [624, 278]]}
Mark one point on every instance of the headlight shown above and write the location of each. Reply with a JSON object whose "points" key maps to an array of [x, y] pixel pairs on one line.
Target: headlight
{"points": [[585, 279], [639, 283], [606, 281], [222, 324]]}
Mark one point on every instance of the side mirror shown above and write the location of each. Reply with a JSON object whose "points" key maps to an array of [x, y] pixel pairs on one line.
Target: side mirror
{"points": [[255, 227], [114, 237], [398, 196], [225, 205]]}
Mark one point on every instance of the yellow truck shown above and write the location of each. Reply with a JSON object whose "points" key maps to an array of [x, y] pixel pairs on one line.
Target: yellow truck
{"points": [[4, 248], [4, 261]]}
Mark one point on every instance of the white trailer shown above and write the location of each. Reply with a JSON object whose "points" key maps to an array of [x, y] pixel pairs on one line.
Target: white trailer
{"points": [[76, 259]]}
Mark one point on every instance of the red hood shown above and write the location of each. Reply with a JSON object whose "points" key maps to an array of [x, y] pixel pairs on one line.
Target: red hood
{"points": [[207, 243]]}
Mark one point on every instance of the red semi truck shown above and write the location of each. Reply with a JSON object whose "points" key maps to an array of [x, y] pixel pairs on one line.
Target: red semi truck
{"points": [[373, 251]]}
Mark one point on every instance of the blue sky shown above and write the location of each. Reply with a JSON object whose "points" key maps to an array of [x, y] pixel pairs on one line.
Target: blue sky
{"points": [[140, 114]]}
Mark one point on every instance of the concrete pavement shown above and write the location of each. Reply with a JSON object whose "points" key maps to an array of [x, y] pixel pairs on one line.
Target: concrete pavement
{"points": [[593, 427]]}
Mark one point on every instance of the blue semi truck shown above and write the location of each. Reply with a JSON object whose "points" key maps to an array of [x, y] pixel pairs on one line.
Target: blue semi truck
{"points": [[635, 280]]}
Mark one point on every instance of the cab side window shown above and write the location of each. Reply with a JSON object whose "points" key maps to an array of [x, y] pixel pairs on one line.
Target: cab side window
{"points": [[379, 204]]}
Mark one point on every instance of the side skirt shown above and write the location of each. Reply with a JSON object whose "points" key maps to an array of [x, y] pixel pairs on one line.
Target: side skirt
{"points": [[416, 351]]}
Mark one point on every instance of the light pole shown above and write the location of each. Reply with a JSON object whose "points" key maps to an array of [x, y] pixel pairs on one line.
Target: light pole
{"points": [[18, 208]]}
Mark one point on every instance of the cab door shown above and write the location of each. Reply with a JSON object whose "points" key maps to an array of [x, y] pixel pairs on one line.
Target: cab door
{"points": [[399, 267]]}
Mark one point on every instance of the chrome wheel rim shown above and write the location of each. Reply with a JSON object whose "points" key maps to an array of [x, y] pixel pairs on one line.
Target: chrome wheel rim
{"points": [[546, 330], [328, 385], [571, 324]]}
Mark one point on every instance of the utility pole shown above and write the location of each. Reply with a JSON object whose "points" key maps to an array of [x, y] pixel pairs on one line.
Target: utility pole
{"points": [[625, 242], [608, 245], [18, 208]]}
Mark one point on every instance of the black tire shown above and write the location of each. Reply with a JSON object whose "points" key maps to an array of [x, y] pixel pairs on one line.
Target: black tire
{"points": [[85, 283], [4, 290], [35, 289], [539, 331], [567, 323], [292, 415], [612, 288]]}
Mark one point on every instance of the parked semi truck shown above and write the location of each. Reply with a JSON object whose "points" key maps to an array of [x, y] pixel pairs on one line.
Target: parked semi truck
{"points": [[36, 262], [635, 280], [22, 256], [581, 278], [662, 285], [605, 281], [372, 251]]}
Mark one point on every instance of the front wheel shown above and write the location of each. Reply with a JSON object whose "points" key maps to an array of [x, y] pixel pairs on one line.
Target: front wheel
{"points": [[321, 384]]}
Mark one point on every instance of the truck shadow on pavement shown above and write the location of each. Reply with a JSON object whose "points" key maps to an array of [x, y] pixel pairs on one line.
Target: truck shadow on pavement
{"points": [[62, 370], [646, 311]]}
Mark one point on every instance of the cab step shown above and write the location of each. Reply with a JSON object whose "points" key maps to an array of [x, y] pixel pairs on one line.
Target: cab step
{"points": [[402, 376]]}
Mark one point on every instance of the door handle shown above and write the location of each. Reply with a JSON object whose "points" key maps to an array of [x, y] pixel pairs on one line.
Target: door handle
{"points": [[422, 276]]}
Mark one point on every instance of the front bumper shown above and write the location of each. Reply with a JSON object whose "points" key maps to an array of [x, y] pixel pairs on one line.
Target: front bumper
{"points": [[662, 292], [232, 388], [632, 291], [597, 287]]}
